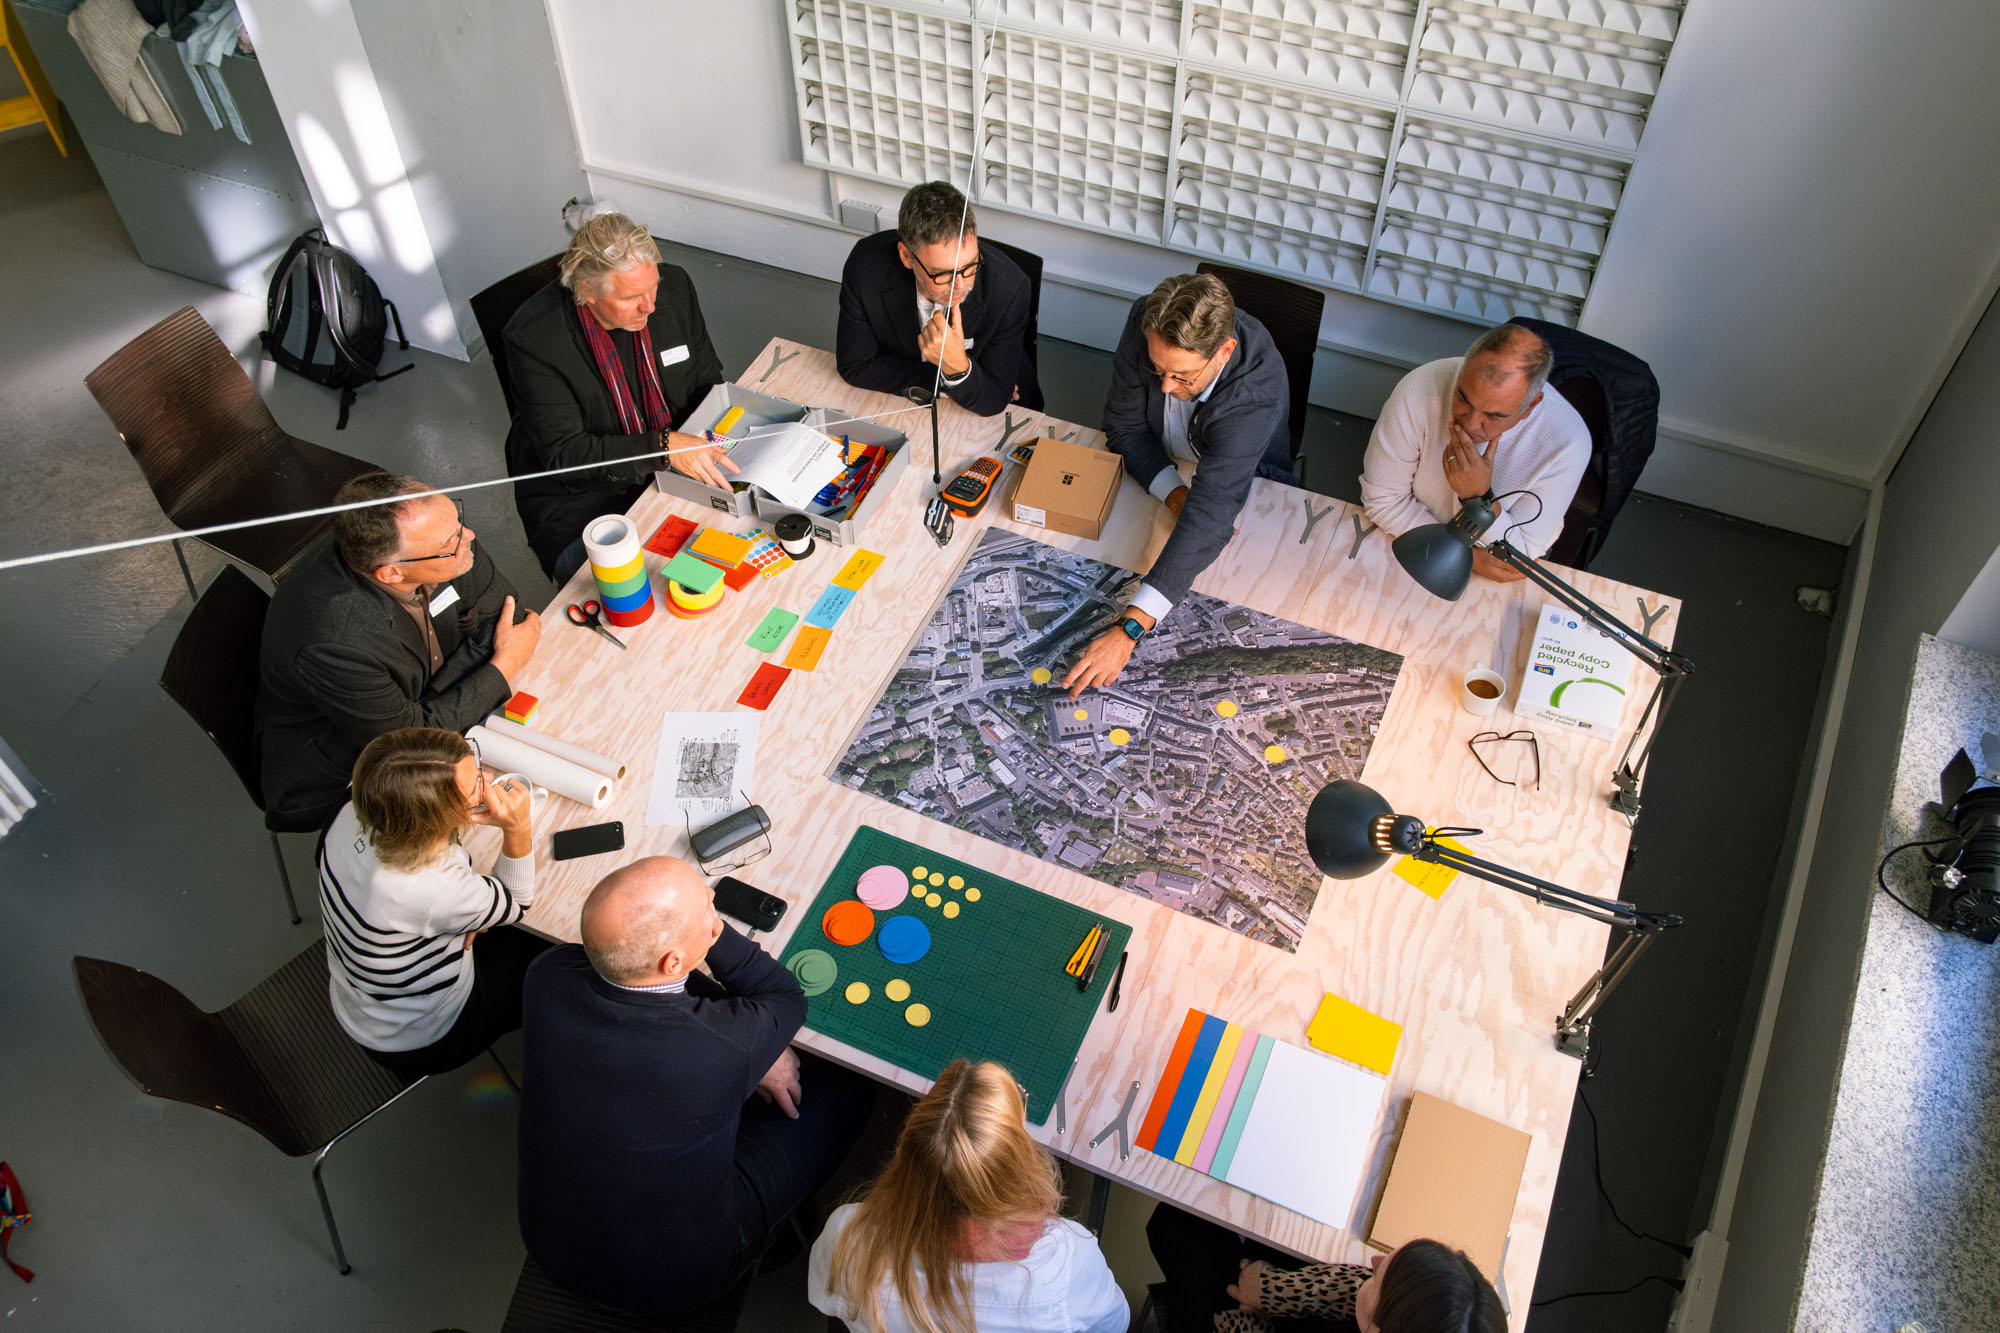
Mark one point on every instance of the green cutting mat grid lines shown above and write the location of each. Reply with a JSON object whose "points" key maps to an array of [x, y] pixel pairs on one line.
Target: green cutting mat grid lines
{"points": [[993, 979]]}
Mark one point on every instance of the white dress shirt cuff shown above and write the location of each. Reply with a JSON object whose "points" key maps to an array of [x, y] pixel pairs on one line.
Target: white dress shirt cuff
{"points": [[953, 381], [1151, 600], [1164, 483]]}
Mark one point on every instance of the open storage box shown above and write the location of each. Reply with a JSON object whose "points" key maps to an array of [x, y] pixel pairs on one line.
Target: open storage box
{"points": [[759, 409], [846, 530]]}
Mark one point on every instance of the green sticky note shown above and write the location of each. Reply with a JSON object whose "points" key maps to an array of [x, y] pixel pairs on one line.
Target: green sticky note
{"points": [[692, 572], [777, 623]]}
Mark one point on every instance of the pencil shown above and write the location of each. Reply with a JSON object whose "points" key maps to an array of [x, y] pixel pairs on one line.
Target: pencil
{"points": [[1117, 979]]}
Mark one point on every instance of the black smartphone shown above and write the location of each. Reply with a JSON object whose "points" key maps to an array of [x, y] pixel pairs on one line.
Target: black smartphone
{"points": [[752, 906], [589, 840]]}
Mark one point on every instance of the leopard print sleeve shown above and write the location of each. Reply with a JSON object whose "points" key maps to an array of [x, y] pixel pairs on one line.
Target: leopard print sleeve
{"points": [[1325, 1290], [1241, 1321]]}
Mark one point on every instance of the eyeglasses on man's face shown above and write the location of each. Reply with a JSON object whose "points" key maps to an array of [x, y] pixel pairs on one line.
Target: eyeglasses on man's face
{"points": [[964, 273], [1185, 381], [457, 542]]}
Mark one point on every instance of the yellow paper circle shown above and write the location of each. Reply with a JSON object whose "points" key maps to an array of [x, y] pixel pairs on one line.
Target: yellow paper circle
{"points": [[918, 872], [1227, 708], [972, 895], [917, 1015], [951, 909], [857, 992], [934, 899], [1040, 675], [937, 878], [918, 890], [1119, 736], [955, 882], [897, 989], [1275, 753]]}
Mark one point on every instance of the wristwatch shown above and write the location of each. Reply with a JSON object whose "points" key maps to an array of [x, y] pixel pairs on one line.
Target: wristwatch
{"points": [[1133, 629]]}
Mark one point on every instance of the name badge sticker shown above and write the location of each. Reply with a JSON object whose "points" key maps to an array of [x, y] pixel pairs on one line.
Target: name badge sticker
{"points": [[673, 356], [445, 599]]}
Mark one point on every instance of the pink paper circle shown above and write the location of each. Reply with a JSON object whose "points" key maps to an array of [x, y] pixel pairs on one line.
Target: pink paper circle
{"points": [[882, 887]]}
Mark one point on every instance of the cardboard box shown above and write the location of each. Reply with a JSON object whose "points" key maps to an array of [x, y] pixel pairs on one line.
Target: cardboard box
{"points": [[1575, 676], [759, 409], [1068, 488], [1454, 1178], [846, 530]]}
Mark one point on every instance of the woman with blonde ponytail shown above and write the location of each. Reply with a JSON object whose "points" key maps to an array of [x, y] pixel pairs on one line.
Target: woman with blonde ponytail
{"points": [[961, 1233]]}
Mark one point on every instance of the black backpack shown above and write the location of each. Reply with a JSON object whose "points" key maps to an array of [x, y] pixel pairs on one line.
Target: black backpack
{"points": [[328, 319]]}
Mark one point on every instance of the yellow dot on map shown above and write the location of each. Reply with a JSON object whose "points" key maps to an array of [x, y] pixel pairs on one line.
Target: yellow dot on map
{"points": [[1119, 736], [956, 882], [937, 878], [1227, 708], [1081, 715], [917, 1015], [898, 989], [951, 909], [934, 900], [1040, 675], [857, 993], [972, 895], [1275, 753], [918, 872]]}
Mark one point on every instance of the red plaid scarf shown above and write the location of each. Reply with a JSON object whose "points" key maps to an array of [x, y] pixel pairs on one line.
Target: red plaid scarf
{"points": [[611, 370]]}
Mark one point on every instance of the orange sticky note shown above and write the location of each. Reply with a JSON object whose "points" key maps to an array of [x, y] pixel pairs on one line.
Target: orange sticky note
{"points": [[859, 568], [1432, 878], [763, 687], [807, 647], [1347, 1030], [723, 547]]}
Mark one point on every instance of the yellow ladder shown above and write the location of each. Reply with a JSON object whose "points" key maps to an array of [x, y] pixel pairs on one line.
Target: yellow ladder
{"points": [[38, 104]]}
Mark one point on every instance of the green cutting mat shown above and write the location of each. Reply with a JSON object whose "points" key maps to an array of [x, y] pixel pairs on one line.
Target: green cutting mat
{"points": [[993, 979]]}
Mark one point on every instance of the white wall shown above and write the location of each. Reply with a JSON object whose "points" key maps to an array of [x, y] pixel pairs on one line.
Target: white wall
{"points": [[1803, 245]]}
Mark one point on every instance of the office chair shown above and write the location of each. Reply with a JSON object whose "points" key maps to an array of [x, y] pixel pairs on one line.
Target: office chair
{"points": [[496, 305], [1290, 313]]}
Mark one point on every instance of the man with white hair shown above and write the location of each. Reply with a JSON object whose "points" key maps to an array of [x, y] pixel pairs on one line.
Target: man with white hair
{"points": [[604, 362], [649, 1182], [1478, 425]]}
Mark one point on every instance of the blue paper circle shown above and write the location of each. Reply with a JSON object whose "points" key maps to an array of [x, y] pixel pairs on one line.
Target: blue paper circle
{"points": [[903, 939]]}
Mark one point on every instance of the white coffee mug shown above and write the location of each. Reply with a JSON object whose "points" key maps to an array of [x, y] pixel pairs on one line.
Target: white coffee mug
{"points": [[1482, 691], [537, 796]]}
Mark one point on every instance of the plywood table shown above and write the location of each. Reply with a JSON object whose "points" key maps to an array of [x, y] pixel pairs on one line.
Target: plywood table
{"points": [[1476, 978]]}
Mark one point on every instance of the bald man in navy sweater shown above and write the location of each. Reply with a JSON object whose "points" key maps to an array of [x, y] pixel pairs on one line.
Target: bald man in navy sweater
{"points": [[653, 1174]]}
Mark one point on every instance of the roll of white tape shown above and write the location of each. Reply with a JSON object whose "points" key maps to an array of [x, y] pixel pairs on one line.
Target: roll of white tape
{"points": [[611, 542]]}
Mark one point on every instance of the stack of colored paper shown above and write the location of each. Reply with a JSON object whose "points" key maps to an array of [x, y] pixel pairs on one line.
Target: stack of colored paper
{"points": [[1268, 1117], [521, 708]]}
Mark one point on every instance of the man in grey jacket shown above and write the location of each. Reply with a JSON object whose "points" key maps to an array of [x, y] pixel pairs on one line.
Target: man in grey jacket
{"points": [[393, 619], [1194, 380]]}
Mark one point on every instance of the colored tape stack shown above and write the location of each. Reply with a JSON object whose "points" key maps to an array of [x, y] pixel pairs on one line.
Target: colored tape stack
{"points": [[690, 605], [619, 567]]}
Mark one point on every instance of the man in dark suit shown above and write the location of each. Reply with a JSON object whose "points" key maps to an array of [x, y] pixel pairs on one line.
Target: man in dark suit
{"points": [[393, 619], [604, 361], [649, 1181], [1194, 380], [926, 297]]}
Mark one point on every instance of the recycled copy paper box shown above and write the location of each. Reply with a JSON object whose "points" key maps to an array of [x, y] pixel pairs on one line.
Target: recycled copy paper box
{"points": [[1068, 488], [1576, 677]]}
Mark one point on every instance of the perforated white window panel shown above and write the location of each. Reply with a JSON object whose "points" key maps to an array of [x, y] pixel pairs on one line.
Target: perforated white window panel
{"points": [[1465, 156]]}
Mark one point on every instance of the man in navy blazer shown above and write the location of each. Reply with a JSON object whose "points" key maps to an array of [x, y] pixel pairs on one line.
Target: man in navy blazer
{"points": [[1196, 380], [927, 296]]}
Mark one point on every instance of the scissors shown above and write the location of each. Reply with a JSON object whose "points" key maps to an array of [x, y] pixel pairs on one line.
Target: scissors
{"points": [[586, 615]]}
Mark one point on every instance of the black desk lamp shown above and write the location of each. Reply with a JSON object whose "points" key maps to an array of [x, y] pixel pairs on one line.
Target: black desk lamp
{"points": [[1439, 556], [1351, 832]]}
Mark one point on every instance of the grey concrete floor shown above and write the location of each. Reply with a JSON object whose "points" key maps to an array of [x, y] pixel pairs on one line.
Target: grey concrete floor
{"points": [[153, 1215]]}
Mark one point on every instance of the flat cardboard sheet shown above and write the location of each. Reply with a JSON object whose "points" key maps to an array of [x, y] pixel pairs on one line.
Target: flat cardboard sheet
{"points": [[1454, 1178]]}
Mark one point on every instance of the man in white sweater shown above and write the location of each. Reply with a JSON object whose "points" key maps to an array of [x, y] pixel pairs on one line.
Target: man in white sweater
{"points": [[1480, 424]]}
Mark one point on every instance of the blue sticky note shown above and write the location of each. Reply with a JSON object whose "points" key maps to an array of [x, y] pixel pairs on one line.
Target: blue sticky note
{"points": [[826, 612]]}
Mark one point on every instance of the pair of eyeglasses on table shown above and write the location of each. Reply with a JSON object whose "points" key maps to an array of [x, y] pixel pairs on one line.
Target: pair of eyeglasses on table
{"points": [[1497, 738]]}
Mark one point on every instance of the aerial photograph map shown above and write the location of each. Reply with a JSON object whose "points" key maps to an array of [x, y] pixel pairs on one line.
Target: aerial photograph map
{"points": [[1186, 781]]}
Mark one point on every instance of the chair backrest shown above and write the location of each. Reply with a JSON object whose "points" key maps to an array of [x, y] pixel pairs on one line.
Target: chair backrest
{"points": [[1290, 313], [212, 670], [1029, 263], [170, 1047], [496, 305], [180, 402]]}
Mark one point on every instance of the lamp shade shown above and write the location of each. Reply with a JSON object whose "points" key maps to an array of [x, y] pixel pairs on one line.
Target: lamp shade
{"points": [[1340, 829], [1438, 556]]}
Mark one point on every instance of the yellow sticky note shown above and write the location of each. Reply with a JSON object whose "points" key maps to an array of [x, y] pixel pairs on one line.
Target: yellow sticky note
{"points": [[1352, 1033], [860, 567], [1211, 1093], [1432, 878], [807, 647]]}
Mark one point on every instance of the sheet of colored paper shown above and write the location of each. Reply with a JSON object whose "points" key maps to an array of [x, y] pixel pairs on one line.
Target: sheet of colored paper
{"points": [[1432, 878], [715, 544], [1189, 1091], [807, 648], [832, 603], [1305, 1144], [1170, 1079], [740, 577], [1347, 1030], [692, 572], [1225, 1105], [671, 535], [859, 568], [763, 686], [1211, 1092], [771, 631], [1239, 1112]]}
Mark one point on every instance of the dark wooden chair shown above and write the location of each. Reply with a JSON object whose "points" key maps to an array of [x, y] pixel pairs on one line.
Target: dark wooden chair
{"points": [[540, 1306], [212, 673], [276, 1059], [1029, 263], [1290, 313], [496, 305], [210, 449]]}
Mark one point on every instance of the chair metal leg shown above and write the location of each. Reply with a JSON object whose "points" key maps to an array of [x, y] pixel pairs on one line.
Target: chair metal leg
{"points": [[185, 575], [285, 879], [505, 1072], [319, 1186]]}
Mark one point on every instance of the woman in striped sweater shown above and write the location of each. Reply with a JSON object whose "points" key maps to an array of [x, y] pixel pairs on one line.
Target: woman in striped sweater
{"points": [[424, 962]]}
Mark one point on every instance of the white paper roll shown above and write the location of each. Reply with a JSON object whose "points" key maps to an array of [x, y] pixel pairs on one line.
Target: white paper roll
{"points": [[561, 749], [611, 542], [505, 754]]}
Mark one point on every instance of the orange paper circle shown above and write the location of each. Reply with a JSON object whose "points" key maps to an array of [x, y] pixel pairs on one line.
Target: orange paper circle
{"points": [[848, 922]]}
